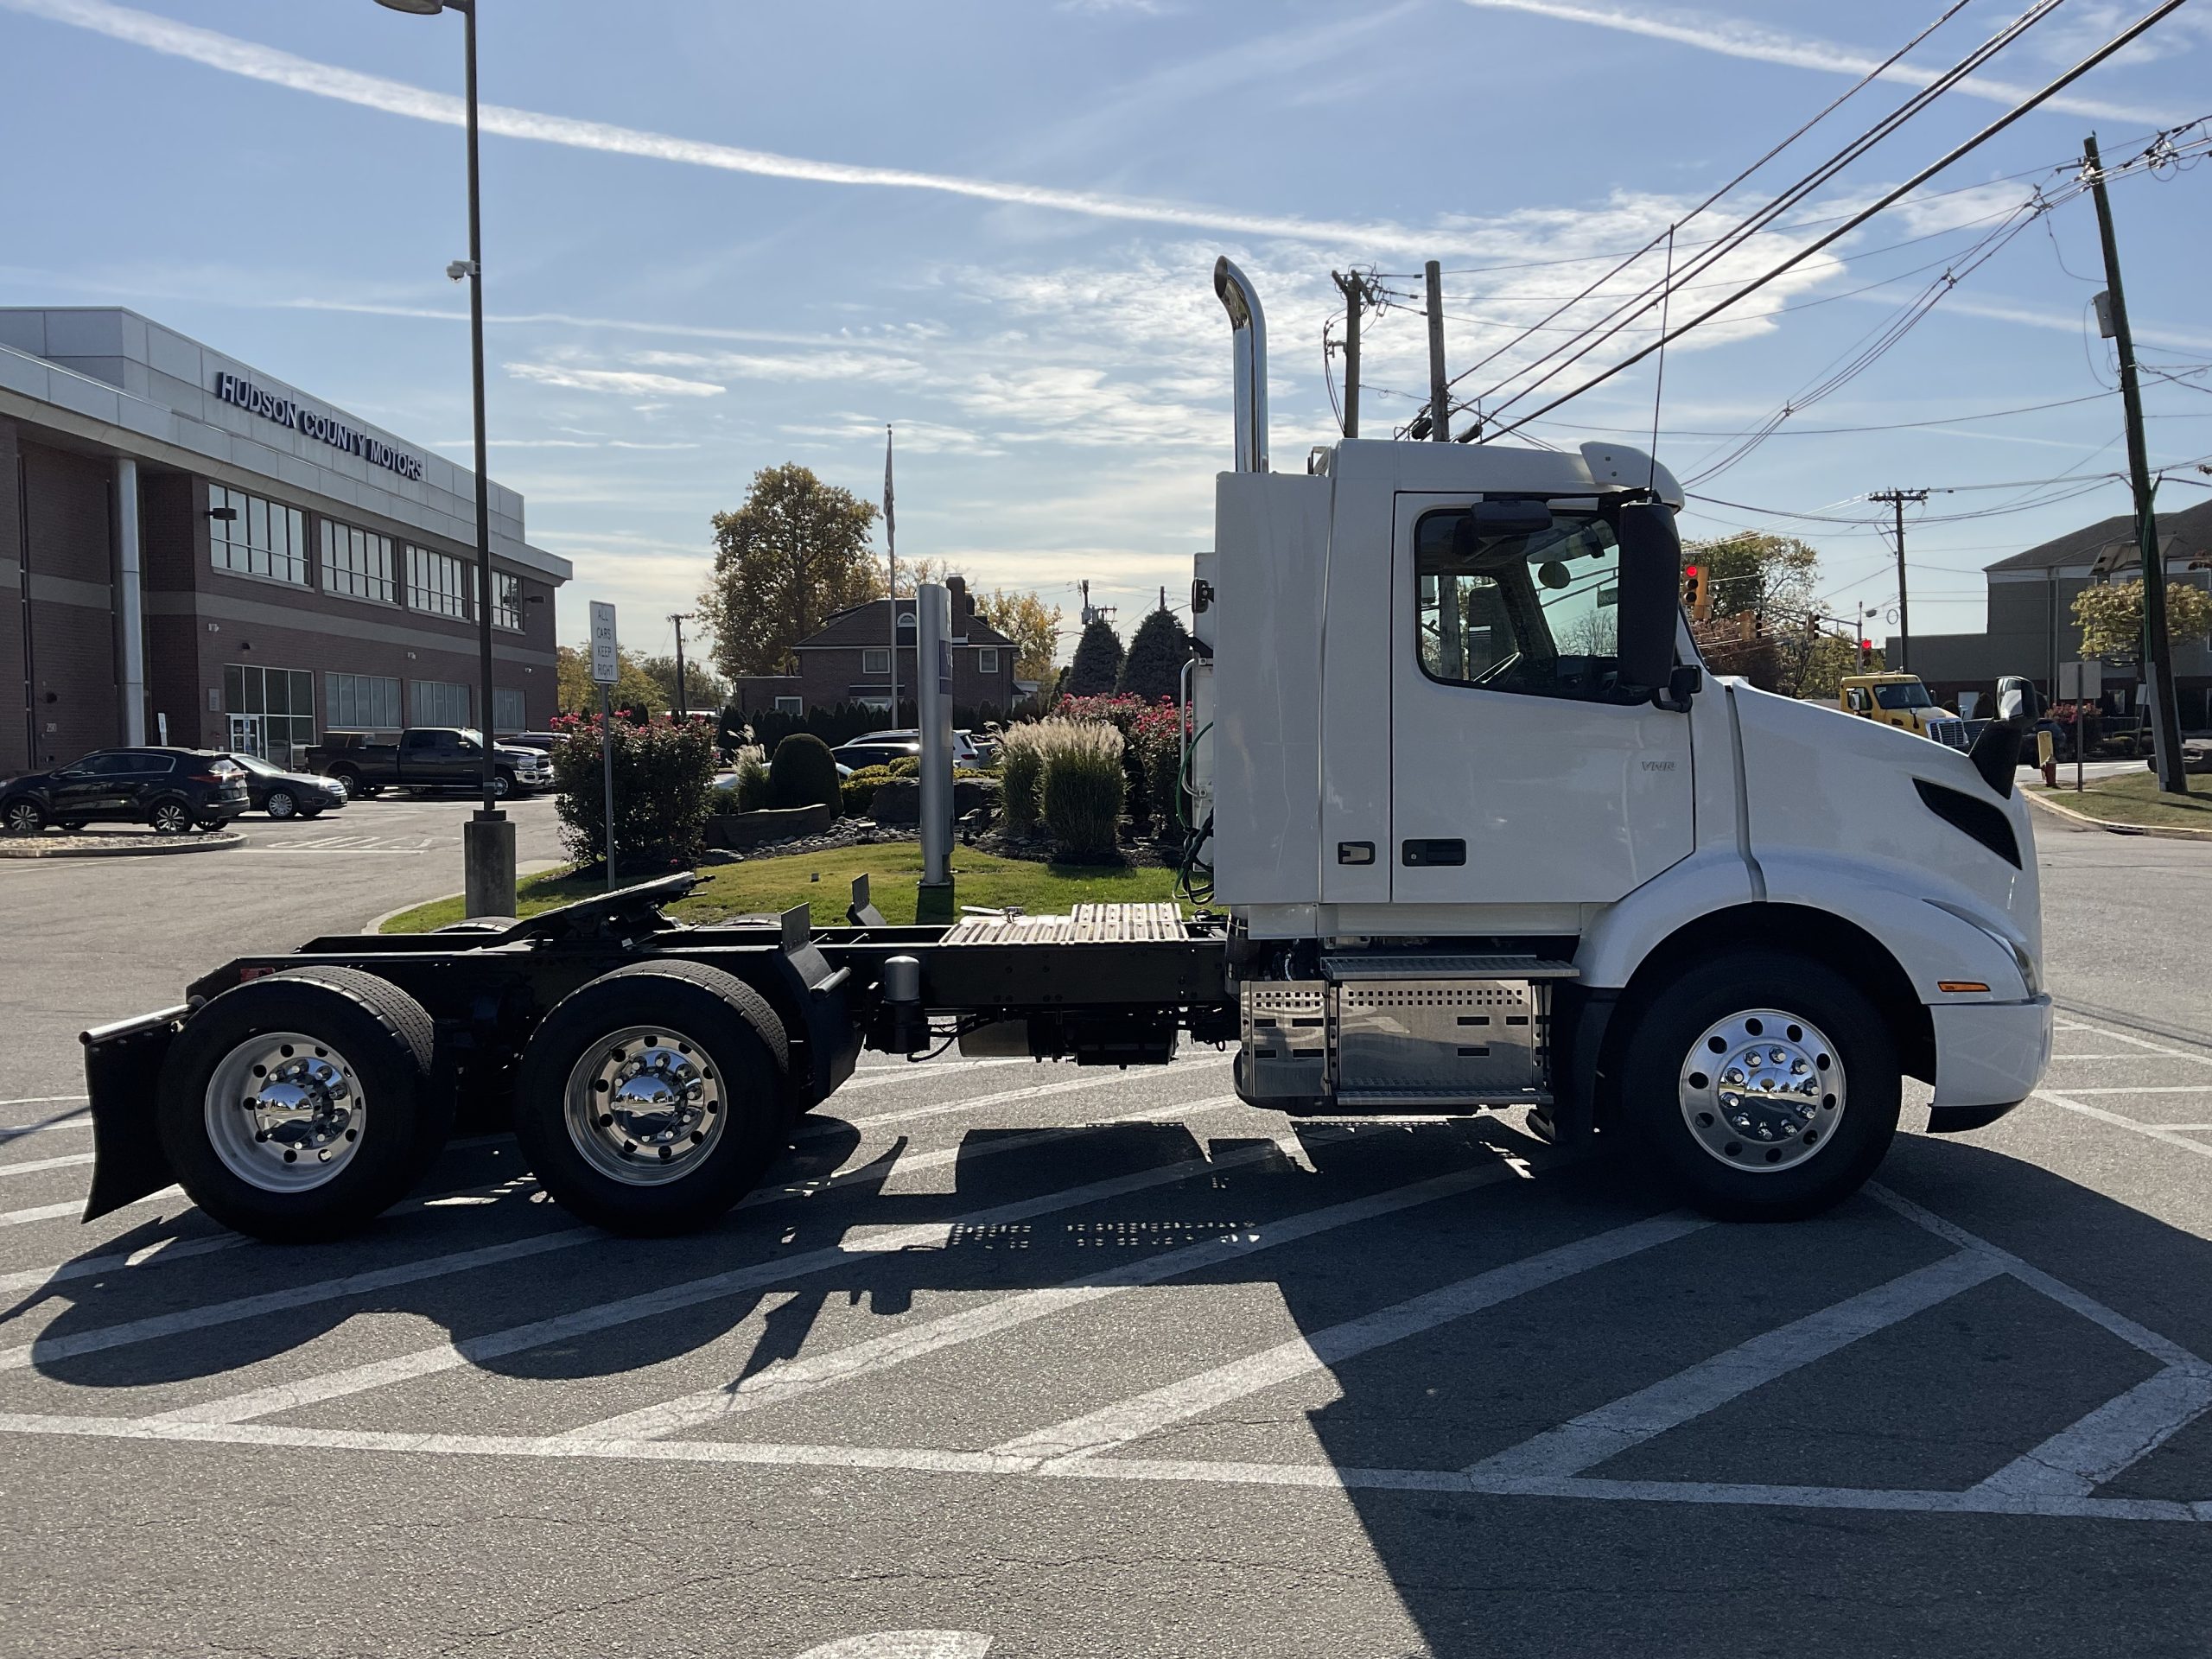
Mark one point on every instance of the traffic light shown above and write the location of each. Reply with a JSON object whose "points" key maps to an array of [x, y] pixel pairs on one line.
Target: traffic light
{"points": [[1696, 599]]}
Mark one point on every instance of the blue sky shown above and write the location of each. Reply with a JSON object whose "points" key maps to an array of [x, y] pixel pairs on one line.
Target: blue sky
{"points": [[723, 235]]}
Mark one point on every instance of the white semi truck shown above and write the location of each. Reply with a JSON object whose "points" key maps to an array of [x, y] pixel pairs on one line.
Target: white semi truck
{"points": [[1481, 833]]}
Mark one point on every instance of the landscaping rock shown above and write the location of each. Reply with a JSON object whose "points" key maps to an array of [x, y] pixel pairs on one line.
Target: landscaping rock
{"points": [[742, 831]]}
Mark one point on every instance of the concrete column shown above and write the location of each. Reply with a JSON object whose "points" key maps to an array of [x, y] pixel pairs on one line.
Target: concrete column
{"points": [[129, 602]]}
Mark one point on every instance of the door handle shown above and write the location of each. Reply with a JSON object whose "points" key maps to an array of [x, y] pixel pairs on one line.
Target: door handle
{"points": [[1418, 854]]}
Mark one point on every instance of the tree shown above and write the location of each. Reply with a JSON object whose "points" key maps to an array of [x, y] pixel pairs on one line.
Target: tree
{"points": [[1828, 658], [1033, 625], [702, 687], [2110, 616], [796, 551], [914, 572], [1097, 662], [1153, 668], [578, 694], [1751, 573]]}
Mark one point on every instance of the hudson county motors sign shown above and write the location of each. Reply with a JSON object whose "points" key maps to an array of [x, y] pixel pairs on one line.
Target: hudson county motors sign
{"points": [[324, 428]]}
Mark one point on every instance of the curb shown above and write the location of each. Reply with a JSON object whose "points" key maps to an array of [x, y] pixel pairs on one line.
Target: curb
{"points": [[168, 849], [528, 866], [2159, 831]]}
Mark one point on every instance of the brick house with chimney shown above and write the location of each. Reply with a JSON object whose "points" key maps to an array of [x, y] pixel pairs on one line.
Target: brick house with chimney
{"points": [[849, 660]]}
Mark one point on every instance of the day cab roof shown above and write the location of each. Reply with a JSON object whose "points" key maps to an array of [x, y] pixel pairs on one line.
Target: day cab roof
{"points": [[1497, 469]]}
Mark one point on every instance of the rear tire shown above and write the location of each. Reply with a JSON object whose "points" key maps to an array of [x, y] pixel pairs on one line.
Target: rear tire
{"points": [[651, 1100], [1731, 1145], [343, 1119], [170, 817]]}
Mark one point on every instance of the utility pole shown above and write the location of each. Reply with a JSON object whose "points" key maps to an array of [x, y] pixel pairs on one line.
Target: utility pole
{"points": [[1897, 498], [1355, 292], [2157, 650], [1439, 393], [683, 696], [1858, 636]]}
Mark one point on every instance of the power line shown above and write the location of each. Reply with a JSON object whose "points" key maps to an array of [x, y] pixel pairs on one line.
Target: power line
{"points": [[1887, 199]]}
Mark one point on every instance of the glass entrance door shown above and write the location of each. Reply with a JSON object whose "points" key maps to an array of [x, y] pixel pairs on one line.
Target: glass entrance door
{"points": [[246, 736]]}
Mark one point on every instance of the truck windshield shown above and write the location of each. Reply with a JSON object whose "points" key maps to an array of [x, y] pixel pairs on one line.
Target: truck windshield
{"points": [[1914, 695]]}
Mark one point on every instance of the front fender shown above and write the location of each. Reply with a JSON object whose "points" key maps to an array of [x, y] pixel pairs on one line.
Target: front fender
{"points": [[1923, 922], [1613, 946]]}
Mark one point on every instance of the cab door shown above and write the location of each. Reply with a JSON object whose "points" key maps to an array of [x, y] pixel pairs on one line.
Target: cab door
{"points": [[1521, 773]]}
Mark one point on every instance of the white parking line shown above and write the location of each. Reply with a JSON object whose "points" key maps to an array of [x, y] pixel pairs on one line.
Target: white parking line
{"points": [[868, 1078], [164, 1251], [65, 1160], [2163, 1132], [428, 1362], [47, 1348], [74, 1207], [2078, 1459], [44, 1100], [1145, 1414], [1329, 1477], [2151, 1089], [2141, 1043], [1593, 1438], [790, 1379]]}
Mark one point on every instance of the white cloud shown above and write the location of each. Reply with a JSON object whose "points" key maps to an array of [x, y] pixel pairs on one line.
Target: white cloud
{"points": [[627, 382], [1733, 37], [817, 365], [267, 64]]}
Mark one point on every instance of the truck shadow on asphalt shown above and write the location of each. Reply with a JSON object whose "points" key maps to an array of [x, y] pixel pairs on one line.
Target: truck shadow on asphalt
{"points": [[1673, 1546]]}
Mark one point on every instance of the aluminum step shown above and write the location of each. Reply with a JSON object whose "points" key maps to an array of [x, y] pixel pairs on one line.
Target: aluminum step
{"points": [[1340, 968]]}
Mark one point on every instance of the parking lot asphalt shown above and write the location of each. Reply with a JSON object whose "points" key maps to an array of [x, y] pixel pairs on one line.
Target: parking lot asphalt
{"points": [[1018, 1360]]}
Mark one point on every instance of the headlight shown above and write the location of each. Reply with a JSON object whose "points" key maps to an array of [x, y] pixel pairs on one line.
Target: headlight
{"points": [[2021, 960]]}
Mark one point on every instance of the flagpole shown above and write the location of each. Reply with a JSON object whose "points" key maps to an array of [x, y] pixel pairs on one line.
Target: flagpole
{"points": [[891, 551]]}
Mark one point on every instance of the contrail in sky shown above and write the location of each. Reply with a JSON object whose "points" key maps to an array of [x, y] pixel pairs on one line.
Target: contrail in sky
{"points": [[267, 64], [1733, 38]]}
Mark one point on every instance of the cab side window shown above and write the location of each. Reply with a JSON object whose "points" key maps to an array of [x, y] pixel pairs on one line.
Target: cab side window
{"points": [[1529, 608]]}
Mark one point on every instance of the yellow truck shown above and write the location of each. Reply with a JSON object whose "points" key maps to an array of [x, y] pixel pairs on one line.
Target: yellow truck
{"points": [[1897, 700]]}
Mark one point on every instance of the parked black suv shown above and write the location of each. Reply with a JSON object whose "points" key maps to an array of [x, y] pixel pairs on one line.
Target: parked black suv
{"points": [[173, 790]]}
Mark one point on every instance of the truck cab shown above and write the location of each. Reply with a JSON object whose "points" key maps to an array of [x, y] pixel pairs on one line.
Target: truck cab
{"points": [[1897, 700], [1477, 845]]}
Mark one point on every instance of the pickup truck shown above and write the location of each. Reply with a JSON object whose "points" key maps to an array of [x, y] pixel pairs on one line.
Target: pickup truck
{"points": [[427, 757]]}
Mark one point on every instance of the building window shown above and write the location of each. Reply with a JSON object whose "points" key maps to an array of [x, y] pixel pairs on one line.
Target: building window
{"points": [[273, 710], [256, 536], [357, 562], [437, 583], [439, 703], [506, 709], [367, 702], [987, 659], [790, 705], [506, 603], [875, 660], [905, 619]]}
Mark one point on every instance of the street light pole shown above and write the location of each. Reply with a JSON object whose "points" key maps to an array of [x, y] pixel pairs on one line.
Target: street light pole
{"points": [[488, 838]]}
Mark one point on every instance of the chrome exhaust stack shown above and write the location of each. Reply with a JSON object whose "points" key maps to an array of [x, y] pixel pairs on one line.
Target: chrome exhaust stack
{"points": [[1248, 330]]}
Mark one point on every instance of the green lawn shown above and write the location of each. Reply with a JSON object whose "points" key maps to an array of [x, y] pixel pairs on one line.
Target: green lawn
{"points": [[2134, 798], [824, 880]]}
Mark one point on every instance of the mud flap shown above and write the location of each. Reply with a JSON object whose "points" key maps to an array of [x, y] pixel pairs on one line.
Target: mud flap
{"points": [[123, 1066]]}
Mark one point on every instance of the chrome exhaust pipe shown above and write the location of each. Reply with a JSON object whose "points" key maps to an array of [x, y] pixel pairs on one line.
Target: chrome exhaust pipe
{"points": [[1248, 330]]}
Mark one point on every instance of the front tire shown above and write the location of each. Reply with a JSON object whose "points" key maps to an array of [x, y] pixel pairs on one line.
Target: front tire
{"points": [[282, 804], [25, 817], [1764, 1085], [651, 1100], [503, 785], [297, 1108]]}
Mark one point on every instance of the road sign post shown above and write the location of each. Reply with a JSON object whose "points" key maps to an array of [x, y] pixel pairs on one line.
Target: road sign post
{"points": [[606, 668], [2080, 683]]}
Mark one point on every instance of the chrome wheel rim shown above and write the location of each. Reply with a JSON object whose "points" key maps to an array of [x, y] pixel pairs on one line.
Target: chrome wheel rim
{"points": [[23, 819], [1762, 1091], [281, 804], [171, 819], [644, 1105], [284, 1111]]}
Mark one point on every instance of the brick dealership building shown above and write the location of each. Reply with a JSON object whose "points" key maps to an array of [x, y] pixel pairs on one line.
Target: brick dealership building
{"points": [[849, 661], [194, 552]]}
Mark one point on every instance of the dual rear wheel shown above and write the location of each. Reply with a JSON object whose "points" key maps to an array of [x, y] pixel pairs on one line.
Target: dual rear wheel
{"points": [[298, 1107]]}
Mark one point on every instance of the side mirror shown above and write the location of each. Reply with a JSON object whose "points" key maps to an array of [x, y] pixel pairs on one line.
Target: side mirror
{"points": [[1647, 595]]}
